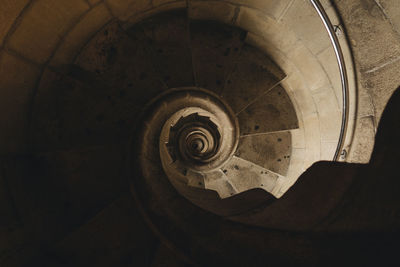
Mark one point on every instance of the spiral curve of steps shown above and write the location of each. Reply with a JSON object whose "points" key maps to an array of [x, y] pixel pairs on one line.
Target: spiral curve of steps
{"points": [[128, 69], [94, 115]]}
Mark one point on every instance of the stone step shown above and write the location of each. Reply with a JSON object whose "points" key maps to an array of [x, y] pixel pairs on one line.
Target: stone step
{"points": [[216, 49]]}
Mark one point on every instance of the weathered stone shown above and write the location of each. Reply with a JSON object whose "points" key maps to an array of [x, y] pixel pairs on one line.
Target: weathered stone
{"points": [[254, 75], [373, 39], [153, 11], [272, 111], [301, 93], [271, 151], [157, 3], [328, 150], [94, 2], [391, 9], [312, 136], [274, 9], [305, 22], [169, 47], [212, 10], [380, 85], [298, 140], [78, 36], [9, 11], [245, 175], [312, 71], [17, 80], [123, 9], [363, 142], [43, 26], [365, 103], [328, 113], [215, 49]]}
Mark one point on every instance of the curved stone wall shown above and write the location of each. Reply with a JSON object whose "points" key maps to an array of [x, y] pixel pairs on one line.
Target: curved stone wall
{"points": [[38, 35]]}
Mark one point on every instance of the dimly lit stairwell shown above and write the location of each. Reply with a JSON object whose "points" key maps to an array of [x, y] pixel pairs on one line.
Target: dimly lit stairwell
{"points": [[67, 198]]}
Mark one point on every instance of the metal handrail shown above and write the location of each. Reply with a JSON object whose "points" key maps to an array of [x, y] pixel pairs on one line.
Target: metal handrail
{"points": [[343, 74]]}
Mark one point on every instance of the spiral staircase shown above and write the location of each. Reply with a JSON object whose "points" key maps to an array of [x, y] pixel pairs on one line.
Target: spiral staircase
{"points": [[180, 135]]}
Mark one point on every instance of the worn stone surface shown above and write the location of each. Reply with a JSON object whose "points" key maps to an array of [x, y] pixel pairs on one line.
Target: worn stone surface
{"points": [[43, 26], [329, 113], [376, 48], [212, 10], [305, 22], [100, 54], [254, 75], [274, 9], [94, 2], [391, 9], [73, 113], [328, 150], [245, 175], [380, 85], [271, 151], [310, 68], [9, 11], [17, 80], [363, 143], [123, 9], [328, 62], [170, 47], [312, 136], [215, 50], [271, 112], [79, 35], [365, 104], [156, 3], [154, 10], [372, 37]]}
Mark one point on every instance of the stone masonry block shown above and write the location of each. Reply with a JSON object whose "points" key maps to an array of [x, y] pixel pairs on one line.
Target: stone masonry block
{"points": [[78, 36], [212, 10], [271, 8], [312, 71], [328, 150], [367, 22], [305, 22], [156, 3], [17, 78], [156, 9], [363, 143], [94, 2], [123, 9], [328, 113], [9, 11], [43, 26], [313, 138], [381, 84], [392, 10]]}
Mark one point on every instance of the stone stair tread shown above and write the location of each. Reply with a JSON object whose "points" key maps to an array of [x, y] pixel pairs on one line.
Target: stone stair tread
{"points": [[215, 50], [245, 175], [271, 112], [254, 75], [269, 150], [169, 47]]}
